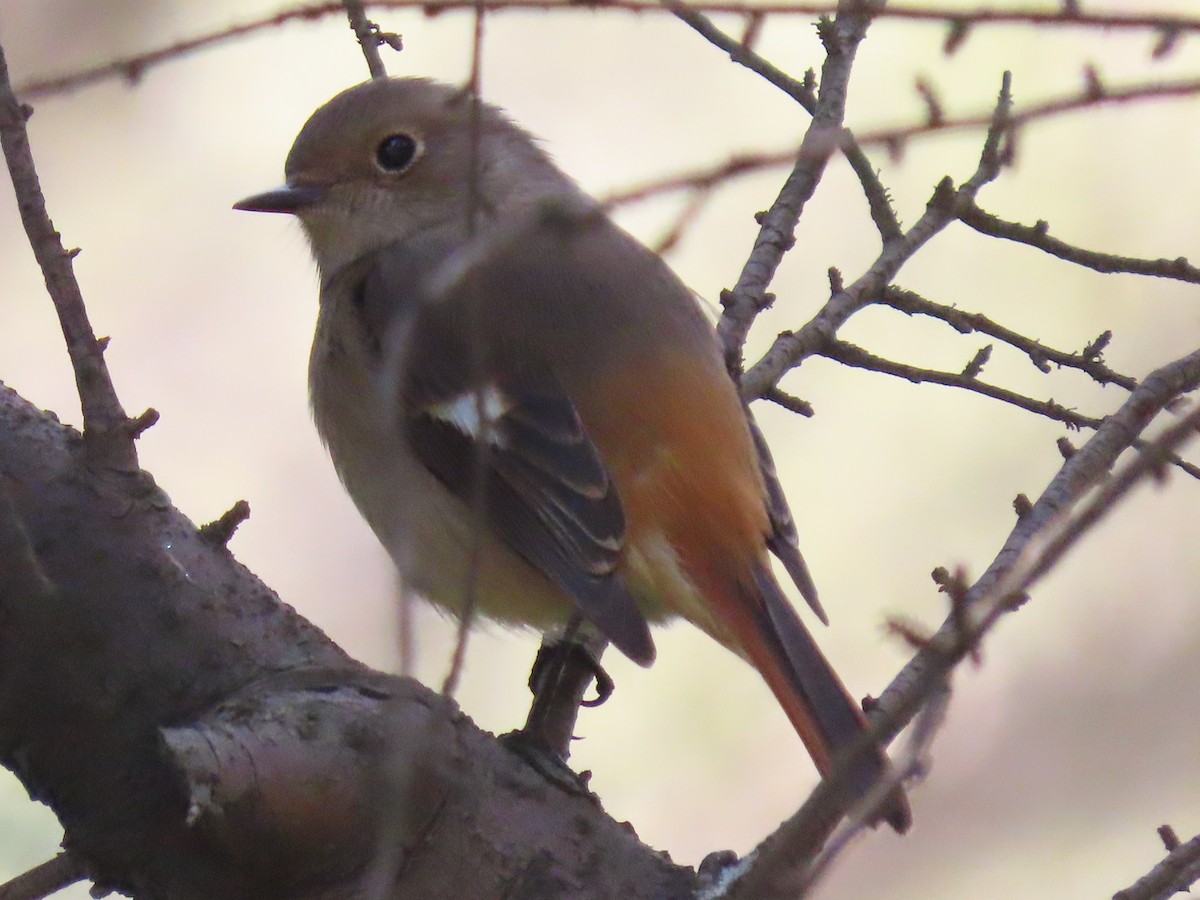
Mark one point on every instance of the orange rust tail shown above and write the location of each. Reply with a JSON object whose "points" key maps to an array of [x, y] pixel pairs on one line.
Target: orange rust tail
{"points": [[810, 692]]}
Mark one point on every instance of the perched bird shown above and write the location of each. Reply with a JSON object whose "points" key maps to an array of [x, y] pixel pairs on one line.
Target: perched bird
{"points": [[527, 404]]}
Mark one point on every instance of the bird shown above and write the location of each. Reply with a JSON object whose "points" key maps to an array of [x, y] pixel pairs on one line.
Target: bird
{"points": [[530, 408]]}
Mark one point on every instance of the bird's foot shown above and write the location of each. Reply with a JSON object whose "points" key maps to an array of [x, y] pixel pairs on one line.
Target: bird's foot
{"points": [[543, 760], [566, 660]]}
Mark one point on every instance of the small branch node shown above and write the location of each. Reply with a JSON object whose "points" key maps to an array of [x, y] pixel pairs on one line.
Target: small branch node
{"points": [[978, 361], [915, 636], [219, 532], [1169, 838], [956, 35], [1168, 40], [935, 115], [139, 424], [1093, 351], [790, 403], [836, 284], [1065, 447], [1022, 505]]}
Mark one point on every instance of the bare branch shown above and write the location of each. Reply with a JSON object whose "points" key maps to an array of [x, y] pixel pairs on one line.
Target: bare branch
{"points": [[1088, 361], [778, 224], [1178, 872], [1169, 27], [1031, 548], [850, 355], [790, 348], [803, 92], [106, 429], [1038, 235], [369, 37], [43, 880]]}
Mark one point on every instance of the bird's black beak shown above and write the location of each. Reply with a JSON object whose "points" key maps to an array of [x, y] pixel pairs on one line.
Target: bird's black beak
{"points": [[291, 198]]}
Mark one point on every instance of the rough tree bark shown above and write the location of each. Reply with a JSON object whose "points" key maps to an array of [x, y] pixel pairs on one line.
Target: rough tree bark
{"points": [[198, 738]]}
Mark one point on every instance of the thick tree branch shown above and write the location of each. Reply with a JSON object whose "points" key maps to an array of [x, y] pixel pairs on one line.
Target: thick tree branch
{"points": [[197, 738]]}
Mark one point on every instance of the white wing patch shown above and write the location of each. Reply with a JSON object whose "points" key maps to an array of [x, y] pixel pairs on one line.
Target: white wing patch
{"points": [[475, 413]]}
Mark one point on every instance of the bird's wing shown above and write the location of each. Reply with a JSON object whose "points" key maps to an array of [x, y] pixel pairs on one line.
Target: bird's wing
{"points": [[494, 425]]}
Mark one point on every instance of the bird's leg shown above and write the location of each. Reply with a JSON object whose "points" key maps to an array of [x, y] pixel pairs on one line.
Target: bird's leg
{"points": [[564, 668]]}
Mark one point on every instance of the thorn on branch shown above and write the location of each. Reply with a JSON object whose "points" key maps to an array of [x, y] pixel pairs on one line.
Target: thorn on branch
{"points": [[790, 402], [1169, 838], [219, 532], [753, 29], [1022, 505], [139, 424], [956, 35], [935, 115], [827, 35], [911, 633], [1093, 87], [102, 343], [836, 284], [978, 361], [957, 588], [943, 194], [1093, 351], [1065, 448], [132, 71], [73, 252], [1008, 149], [1168, 40], [1039, 361]]}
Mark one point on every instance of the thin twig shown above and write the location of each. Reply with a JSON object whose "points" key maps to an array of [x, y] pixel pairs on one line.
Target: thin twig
{"points": [[1039, 354], [131, 68], [106, 434], [1037, 543], [790, 348], [43, 880], [805, 93], [1038, 235], [367, 33], [1117, 433], [850, 355], [908, 766], [482, 457], [778, 224], [1176, 873]]}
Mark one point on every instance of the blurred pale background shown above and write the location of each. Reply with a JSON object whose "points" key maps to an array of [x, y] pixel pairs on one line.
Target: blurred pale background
{"points": [[1077, 735]]}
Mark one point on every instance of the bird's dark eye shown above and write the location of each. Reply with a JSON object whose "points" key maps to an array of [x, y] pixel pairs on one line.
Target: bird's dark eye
{"points": [[395, 153]]}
